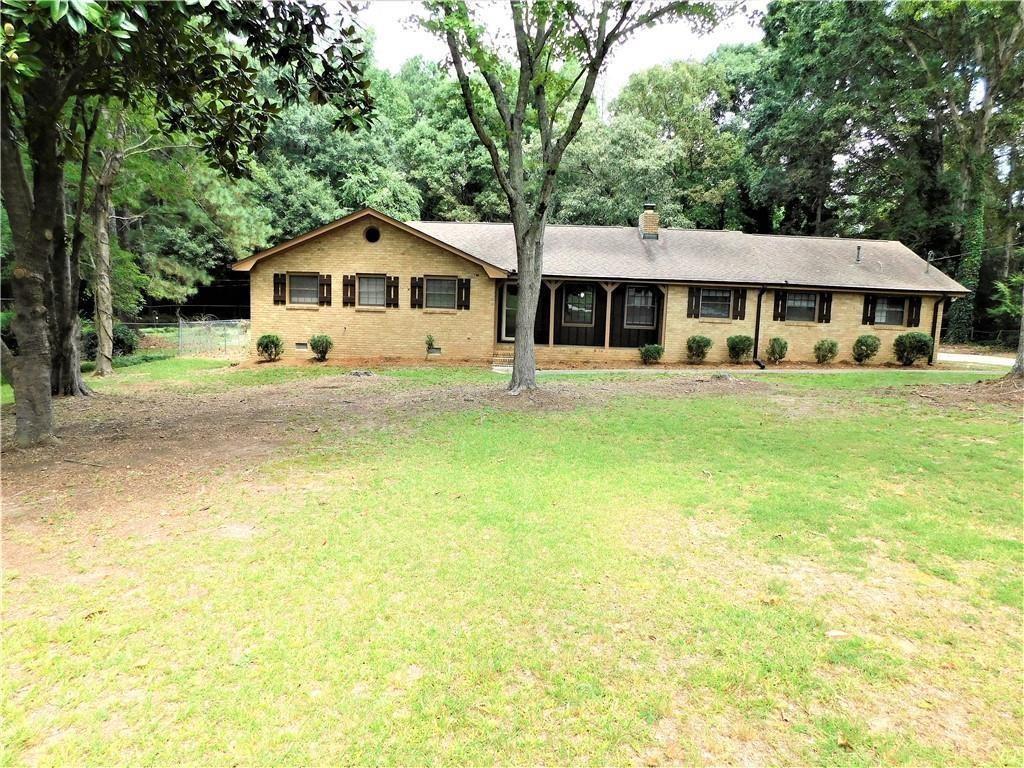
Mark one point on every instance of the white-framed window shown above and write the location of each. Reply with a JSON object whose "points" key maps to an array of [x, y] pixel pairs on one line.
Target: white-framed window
{"points": [[716, 302], [801, 306], [440, 292], [371, 290], [578, 305], [303, 289], [890, 310], [639, 307]]}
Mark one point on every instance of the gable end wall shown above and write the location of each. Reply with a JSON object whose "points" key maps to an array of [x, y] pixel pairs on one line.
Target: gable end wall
{"points": [[357, 332]]}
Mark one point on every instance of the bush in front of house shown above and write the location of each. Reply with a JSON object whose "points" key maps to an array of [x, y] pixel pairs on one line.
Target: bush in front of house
{"points": [[269, 346], [911, 347], [321, 344], [866, 347], [825, 351], [125, 341], [777, 349], [740, 347], [651, 353], [697, 348]]}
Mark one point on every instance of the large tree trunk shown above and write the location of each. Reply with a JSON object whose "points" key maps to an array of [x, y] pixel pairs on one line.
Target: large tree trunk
{"points": [[1017, 371], [31, 211], [961, 314], [102, 209], [101, 287], [65, 325], [530, 259]]}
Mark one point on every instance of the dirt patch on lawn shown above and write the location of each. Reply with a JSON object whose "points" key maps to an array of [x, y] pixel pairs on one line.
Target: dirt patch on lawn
{"points": [[1003, 391], [140, 462]]}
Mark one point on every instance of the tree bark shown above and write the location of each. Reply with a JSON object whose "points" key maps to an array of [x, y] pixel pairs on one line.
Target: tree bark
{"points": [[961, 314], [530, 260], [29, 209], [102, 209], [1017, 371], [65, 324], [101, 287]]}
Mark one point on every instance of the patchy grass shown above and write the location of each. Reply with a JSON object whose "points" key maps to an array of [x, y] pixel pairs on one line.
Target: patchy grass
{"points": [[859, 380], [769, 578]]}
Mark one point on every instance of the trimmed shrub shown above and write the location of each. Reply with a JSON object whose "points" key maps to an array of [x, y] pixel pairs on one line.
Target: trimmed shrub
{"points": [[866, 347], [651, 353], [911, 347], [825, 351], [126, 341], [777, 349], [269, 346], [697, 348], [740, 347], [321, 344]]}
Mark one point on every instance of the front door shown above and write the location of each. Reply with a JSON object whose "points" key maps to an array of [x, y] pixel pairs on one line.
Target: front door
{"points": [[508, 317]]}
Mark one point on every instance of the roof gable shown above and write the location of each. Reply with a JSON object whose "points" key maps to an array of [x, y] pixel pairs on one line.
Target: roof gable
{"points": [[246, 264]]}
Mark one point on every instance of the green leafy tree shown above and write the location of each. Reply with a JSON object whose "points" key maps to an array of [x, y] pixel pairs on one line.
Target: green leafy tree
{"points": [[199, 62], [547, 81], [973, 53]]}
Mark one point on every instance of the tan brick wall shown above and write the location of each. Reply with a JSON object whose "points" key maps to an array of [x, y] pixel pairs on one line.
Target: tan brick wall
{"points": [[361, 332], [845, 327], [398, 333]]}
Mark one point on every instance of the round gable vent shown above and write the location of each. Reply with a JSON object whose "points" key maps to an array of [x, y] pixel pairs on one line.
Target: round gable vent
{"points": [[372, 234]]}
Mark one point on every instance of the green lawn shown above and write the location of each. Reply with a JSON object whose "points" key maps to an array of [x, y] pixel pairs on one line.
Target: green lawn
{"points": [[648, 579]]}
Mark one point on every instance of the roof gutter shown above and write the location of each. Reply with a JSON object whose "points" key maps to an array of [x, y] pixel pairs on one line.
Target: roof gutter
{"points": [[935, 328], [757, 325]]}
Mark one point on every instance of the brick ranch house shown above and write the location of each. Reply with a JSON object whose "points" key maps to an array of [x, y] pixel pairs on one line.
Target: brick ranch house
{"points": [[378, 286]]}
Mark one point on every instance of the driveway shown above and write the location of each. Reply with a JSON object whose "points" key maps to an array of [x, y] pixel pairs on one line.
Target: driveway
{"points": [[955, 357]]}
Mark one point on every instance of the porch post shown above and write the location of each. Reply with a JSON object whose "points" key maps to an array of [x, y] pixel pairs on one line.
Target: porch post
{"points": [[608, 288], [553, 285], [663, 314]]}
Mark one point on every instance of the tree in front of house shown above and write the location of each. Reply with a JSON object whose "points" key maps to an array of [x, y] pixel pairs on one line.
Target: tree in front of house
{"points": [[973, 53], [526, 101], [199, 63]]}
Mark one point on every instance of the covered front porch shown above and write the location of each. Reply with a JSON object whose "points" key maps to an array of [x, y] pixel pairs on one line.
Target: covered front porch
{"points": [[591, 315]]}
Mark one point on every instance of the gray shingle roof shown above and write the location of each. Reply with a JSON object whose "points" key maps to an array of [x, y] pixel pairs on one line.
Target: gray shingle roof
{"points": [[684, 255]]}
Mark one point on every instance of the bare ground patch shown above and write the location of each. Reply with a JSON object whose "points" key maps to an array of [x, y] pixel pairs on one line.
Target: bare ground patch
{"points": [[1003, 391], [140, 463]]}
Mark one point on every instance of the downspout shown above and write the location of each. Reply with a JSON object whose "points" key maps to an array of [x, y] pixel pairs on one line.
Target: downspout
{"points": [[757, 326], [935, 323]]}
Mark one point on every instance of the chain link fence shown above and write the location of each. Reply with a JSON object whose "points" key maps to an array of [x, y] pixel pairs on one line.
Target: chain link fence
{"points": [[202, 337]]}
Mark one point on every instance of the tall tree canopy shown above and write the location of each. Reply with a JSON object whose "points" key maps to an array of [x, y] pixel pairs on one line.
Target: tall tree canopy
{"points": [[198, 62], [527, 100]]}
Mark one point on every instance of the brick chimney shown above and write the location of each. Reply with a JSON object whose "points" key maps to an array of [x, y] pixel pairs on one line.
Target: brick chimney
{"points": [[649, 222]]}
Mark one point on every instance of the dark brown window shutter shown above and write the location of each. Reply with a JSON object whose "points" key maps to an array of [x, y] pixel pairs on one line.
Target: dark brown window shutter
{"points": [[348, 291], [693, 304], [325, 290], [869, 309], [739, 304], [779, 311], [280, 284], [416, 292], [391, 296], [462, 296], [825, 307], [914, 312]]}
